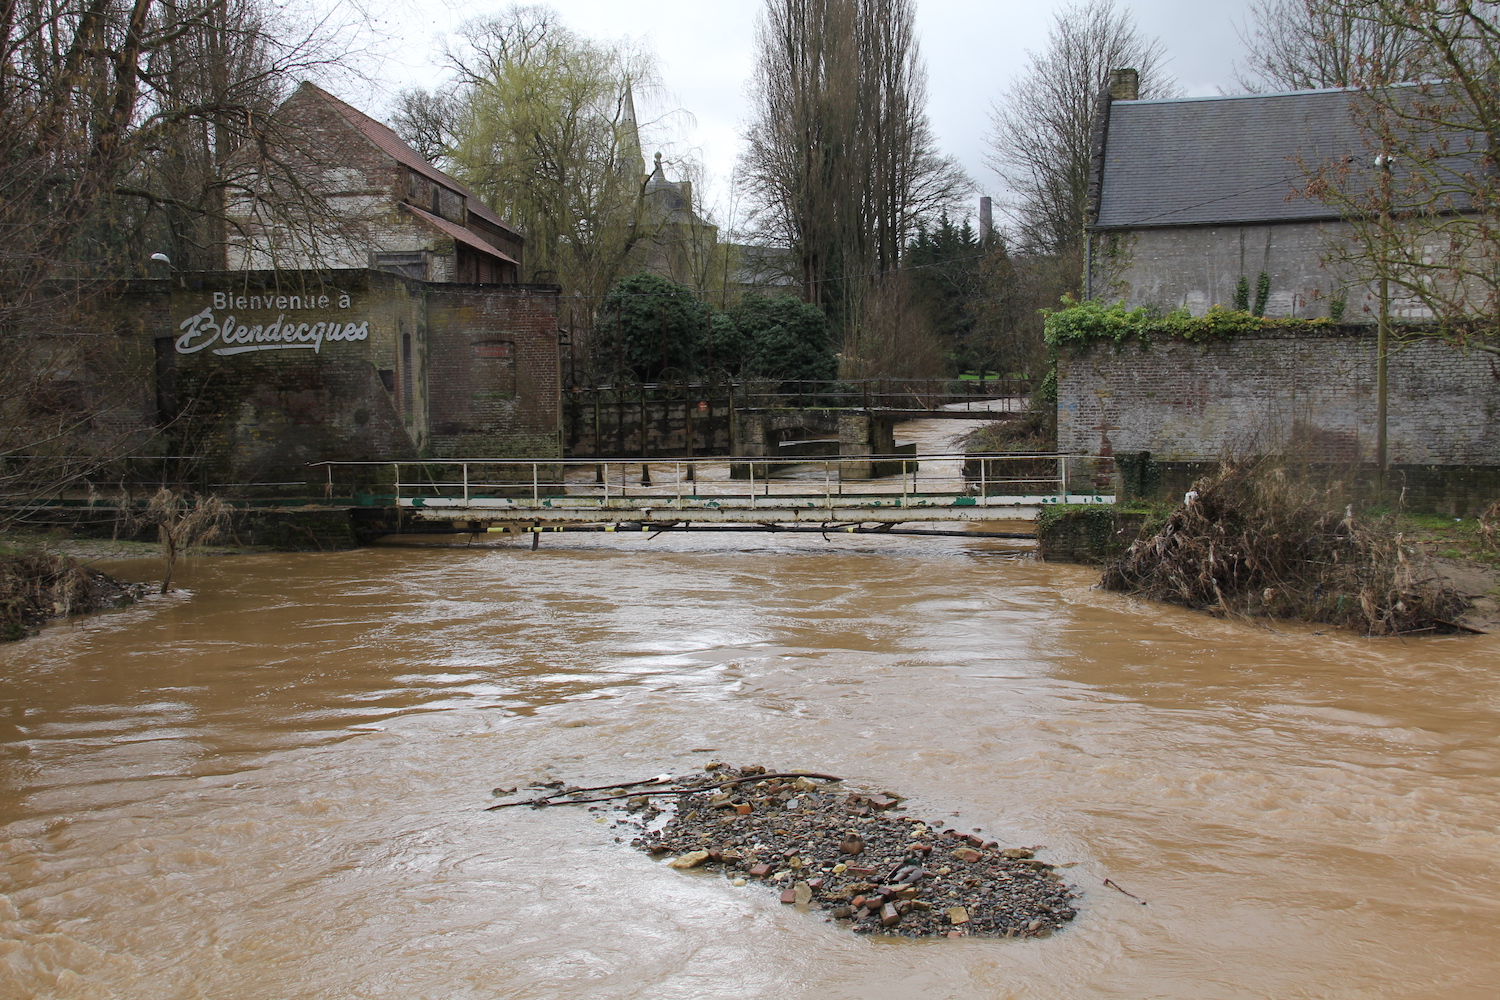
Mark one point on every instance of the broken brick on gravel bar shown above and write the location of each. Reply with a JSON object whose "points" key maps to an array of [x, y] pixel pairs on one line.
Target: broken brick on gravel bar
{"points": [[991, 893]]}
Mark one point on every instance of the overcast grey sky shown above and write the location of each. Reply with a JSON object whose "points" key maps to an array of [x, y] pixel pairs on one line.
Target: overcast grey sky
{"points": [[973, 49]]}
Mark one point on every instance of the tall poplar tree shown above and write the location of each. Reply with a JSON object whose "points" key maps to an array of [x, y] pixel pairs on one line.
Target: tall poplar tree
{"points": [[841, 161]]}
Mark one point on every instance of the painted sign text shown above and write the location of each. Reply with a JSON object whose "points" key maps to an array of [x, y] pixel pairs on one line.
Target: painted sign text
{"points": [[204, 330]]}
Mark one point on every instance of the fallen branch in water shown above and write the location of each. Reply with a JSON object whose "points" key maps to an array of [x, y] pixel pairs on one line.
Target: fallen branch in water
{"points": [[550, 800], [1130, 894], [1455, 626], [660, 779]]}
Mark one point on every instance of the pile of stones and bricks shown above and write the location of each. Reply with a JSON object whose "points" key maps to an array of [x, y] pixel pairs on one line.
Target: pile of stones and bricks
{"points": [[855, 857]]}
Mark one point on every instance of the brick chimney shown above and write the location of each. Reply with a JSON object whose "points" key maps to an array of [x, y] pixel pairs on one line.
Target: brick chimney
{"points": [[1125, 85], [986, 219]]}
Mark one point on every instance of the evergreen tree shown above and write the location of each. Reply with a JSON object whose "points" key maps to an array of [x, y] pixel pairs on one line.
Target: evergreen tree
{"points": [[786, 339], [654, 326], [944, 269]]}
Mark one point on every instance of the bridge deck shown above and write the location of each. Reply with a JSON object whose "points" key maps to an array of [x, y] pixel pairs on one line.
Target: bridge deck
{"points": [[942, 487]]}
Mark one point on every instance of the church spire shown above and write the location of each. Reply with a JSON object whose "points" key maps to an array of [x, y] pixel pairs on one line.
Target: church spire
{"points": [[632, 160]]}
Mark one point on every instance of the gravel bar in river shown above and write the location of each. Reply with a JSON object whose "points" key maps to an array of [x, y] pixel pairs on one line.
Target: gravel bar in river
{"points": [[853, 857]]}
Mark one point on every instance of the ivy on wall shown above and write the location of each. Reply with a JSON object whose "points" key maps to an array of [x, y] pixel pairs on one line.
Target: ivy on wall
{"points": [[1262, 294], [1080, 326]]}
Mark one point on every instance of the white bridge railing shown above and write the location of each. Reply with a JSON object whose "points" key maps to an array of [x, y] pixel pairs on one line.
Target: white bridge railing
{"points": [[747, 489]]}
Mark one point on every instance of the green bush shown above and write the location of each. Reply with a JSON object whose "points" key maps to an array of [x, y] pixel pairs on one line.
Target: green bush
{"points": [[662, 326], [1080, 326], [784, 338]]}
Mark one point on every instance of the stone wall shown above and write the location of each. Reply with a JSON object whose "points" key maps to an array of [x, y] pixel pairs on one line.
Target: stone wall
{"points": [[1187, 403], [262, 408], [1090, 535], [1200, 266], [1311, 396], [603, 424], [260, 373]]}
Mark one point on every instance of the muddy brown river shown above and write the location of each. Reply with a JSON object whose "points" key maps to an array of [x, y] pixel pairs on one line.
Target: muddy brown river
{"points": [[271, 784]]}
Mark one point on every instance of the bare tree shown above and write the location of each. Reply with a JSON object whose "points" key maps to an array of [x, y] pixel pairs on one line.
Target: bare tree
{"points": [[841, 161], [427, 120], [117, 120], [181, 523], [1422, 201], [1310, 44], [1042, 128]]}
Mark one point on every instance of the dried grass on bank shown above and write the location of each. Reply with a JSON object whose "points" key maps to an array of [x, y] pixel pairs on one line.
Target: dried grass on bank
{"points": [[1258, 542], [1489, 527], [39, 586], [1033, 432]]}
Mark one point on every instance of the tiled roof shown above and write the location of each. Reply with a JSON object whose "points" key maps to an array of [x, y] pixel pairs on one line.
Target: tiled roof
{"points": [[1221, 160], [391, 144], [457, 232]]}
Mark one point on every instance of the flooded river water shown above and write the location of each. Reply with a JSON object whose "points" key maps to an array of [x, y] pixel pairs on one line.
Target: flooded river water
{"points": [[271, 784]]}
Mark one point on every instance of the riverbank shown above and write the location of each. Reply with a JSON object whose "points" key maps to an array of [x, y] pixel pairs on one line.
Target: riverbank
{"points": [[46, 576], [38, 586], [1464, 560]]}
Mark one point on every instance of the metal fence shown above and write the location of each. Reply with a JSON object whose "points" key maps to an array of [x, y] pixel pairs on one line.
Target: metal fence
{"points": [[750, 481]]}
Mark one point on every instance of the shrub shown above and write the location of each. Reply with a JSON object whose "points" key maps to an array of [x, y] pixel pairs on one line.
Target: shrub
{"points": [[786, 338], [1258, 542], [1080, 326]]}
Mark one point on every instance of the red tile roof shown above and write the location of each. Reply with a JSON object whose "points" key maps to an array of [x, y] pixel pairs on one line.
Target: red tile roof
{"points": [[458, 232], [390, 143]]}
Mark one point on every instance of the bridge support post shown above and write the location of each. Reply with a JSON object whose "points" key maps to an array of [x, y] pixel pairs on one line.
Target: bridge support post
{"points": [[864, 434], [750, 440]]}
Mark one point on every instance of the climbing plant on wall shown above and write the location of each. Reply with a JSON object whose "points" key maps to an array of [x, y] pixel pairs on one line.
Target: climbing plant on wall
{"points": [[1080, 326]]}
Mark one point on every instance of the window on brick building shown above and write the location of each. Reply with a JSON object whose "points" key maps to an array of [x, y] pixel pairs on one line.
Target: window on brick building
{"points": [[410, 264]]}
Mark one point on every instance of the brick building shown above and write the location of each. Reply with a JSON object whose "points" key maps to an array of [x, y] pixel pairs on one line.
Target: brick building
{"points": [[365, 199], [372, 311]]}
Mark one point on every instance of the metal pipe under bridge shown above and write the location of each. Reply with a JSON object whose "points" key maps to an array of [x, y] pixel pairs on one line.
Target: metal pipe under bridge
{"points": [[847, 489]]}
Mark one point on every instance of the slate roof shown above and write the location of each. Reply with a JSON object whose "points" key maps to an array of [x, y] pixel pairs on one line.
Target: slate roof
{"points": [[1221, 160], [388, 142]]}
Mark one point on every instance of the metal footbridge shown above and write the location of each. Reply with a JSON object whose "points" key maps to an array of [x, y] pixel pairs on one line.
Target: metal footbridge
{"points": [[518, 494]]}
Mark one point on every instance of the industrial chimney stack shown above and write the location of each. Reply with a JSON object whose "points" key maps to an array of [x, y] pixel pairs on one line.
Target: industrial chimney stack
{"points": [[986, 220]]}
